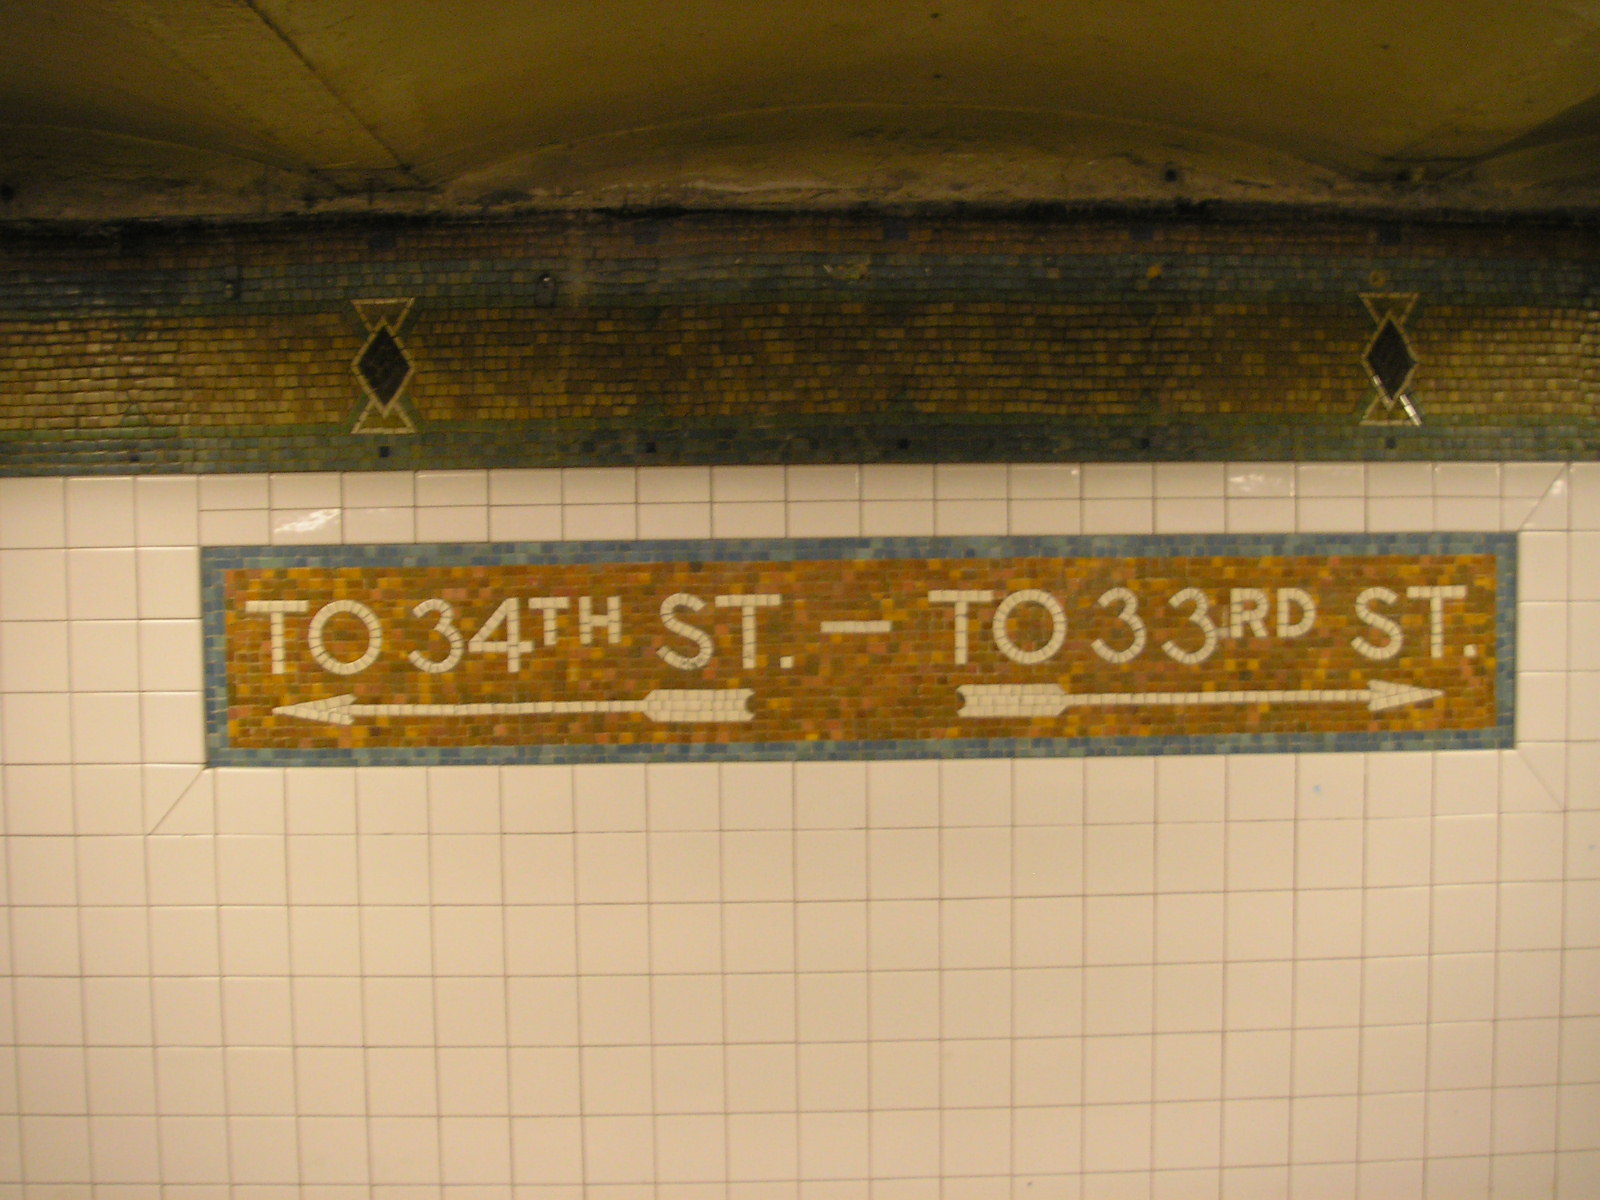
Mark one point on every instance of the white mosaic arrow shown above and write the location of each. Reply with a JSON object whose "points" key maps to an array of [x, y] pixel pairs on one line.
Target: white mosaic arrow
{"points": [[1051, 700], [665, 705]]}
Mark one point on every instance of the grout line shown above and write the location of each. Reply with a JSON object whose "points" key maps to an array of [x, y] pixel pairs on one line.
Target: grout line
{"points": [[1223, 1033], [150, 980], [722, 930], [77, 892], [1499, 952], [1361, 967], [1083, 976], [1560, 480], [1557, 803], [199, 775], [150, 907], [1155, 989], [1011, 930], [83, 999], [1566, 880], [222, 1009], [650, 981], [939, 901], [577, 985], [1427, 1036], [794, 908], [1559, 1084], [505, 972], [8, 962], [12, 1048], [1361, 1021], [361, 907], [866, 860]]}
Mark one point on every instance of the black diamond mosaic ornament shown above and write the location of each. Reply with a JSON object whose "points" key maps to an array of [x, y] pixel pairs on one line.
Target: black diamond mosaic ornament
{"points": [[1390, 361], [384, 365], [383, 368]]}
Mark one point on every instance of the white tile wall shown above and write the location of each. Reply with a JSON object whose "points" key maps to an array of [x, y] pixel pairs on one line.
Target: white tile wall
{"points": [[1359, 975]]}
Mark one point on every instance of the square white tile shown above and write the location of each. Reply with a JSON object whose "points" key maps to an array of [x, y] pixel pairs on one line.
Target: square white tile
{"points": [[100, 511]]}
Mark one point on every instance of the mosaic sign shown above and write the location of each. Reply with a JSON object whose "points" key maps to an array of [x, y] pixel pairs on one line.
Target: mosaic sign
{"points": [[904, 647]]}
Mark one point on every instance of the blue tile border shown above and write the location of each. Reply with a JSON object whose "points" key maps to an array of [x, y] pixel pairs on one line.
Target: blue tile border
{"points": [[797, 440], [215, 560]]}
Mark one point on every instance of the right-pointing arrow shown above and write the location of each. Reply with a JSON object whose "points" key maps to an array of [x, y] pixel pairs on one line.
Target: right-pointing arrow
{"points": [[1382, 694], [992, 700]]}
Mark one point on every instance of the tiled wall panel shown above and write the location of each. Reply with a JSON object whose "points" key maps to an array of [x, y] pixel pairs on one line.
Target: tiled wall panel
{"points": [[1346, 975], [826, 648], [801, 338]]}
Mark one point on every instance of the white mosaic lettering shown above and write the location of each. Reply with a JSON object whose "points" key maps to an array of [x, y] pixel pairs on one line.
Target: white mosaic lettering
{"points": [[550, 606], [361, 613], [1002, 635], [1288, 600], [1201, 617], [611, 622], [1247, 607], [275, 610], [747, 604], [675, 624], [1389, 627], [445, 627], [962, 602], [1436, 596], [1129, 616], [509, 614]]}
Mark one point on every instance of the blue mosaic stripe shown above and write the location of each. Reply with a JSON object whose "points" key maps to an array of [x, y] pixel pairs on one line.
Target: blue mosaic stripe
{"points": [[800, 440], [840, 549], [1498, 738], [216, 560]]}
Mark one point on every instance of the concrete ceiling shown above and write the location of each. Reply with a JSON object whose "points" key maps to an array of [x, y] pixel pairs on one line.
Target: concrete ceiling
{"points": [[134, 108]]}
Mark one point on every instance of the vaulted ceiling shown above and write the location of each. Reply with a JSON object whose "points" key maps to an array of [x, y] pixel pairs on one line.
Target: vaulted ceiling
{"points": [[133, 108]]}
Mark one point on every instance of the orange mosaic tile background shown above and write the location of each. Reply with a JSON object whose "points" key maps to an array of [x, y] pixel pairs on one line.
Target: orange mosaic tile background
{"points": [[857, 650]]}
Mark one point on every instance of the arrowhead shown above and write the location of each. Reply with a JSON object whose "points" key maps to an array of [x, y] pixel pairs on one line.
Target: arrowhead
{"points": [[335, 710], [698, 705], [1381, 695]]}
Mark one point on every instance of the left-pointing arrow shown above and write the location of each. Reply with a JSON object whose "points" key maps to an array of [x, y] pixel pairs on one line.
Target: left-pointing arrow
{"points": [[675, 706]]}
